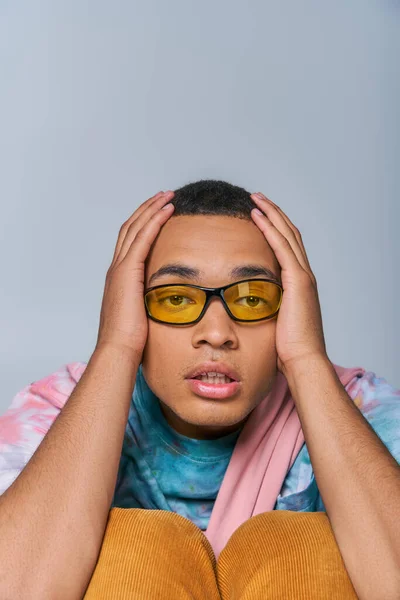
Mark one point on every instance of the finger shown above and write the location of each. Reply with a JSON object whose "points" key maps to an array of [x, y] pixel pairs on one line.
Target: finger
{"points": [[280, 245], [140, 246], [137, 224], [277, 218], [133, 217], [137, 219], [292, 226]]}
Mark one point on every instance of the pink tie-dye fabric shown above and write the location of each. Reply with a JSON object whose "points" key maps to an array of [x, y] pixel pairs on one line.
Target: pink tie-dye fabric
{"points": [[29, 417]]}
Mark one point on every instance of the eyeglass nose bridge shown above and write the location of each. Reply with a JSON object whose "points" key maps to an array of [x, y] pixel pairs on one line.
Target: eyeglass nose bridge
{"points": [[210, 293]]}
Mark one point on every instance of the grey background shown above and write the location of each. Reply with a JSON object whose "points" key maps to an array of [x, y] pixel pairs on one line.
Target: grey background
{"points": [[102, 104]]}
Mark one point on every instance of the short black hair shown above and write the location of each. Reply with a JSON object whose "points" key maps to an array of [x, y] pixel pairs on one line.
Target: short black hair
{"points": [[212, 197]]}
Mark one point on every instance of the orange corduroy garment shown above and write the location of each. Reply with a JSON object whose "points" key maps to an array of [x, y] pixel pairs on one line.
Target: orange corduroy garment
{"points": [[156, 554]]}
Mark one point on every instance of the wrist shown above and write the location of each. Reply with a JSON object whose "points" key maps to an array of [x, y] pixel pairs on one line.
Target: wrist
{"points": [[119, 352], [303, 365]]}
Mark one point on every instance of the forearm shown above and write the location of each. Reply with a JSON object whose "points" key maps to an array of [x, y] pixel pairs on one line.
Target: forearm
{"points": [[357, 477], [53, 516]]}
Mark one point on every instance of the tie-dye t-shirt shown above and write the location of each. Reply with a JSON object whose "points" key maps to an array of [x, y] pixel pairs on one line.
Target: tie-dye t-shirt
{"points": [[160, 468]]}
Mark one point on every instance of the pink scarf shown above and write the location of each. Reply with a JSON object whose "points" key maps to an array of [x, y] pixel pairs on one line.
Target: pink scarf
{"points": [[264, 452]]}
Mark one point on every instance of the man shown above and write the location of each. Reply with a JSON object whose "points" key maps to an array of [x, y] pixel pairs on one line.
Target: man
{"points": [[168, 446]]}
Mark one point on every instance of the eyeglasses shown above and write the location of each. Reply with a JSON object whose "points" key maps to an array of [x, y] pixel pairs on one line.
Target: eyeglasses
{"points": [[184, 304]]}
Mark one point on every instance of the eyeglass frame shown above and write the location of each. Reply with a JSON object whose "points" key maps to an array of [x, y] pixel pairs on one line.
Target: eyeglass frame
{"points": [[210, 292]]}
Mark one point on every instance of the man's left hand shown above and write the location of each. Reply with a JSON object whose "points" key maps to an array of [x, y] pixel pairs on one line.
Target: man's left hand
{"points": [[299, 331]]}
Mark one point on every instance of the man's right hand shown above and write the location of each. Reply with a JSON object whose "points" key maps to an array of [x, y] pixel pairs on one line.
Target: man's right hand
{"points": [[123, 318]]}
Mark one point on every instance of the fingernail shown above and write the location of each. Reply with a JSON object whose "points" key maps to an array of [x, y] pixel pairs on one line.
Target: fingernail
{"points": [[167, 205], [257, 211]]}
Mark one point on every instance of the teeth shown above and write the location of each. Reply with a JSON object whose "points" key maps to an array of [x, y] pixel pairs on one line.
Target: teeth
{"points": [[214, 378]]}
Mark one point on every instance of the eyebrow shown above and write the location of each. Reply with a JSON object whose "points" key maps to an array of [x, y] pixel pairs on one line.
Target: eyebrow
{"points": [[238, 272]]}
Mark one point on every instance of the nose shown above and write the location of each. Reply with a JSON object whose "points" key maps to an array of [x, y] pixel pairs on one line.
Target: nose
{"points": [[215, 326]]}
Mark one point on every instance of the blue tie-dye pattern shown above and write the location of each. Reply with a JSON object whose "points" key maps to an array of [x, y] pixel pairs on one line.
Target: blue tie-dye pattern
{"points": [[162, 469]]}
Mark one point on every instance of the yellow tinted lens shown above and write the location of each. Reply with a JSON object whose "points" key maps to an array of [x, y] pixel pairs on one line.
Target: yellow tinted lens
{"points": [[252, 300], [175, 303]]}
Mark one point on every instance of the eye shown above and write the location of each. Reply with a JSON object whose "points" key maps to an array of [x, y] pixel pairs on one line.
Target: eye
{"points": [[254, 301], [175, 300]]}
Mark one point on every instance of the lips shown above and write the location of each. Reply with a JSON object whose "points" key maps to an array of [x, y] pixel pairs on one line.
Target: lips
{"points": [[214, 391]]}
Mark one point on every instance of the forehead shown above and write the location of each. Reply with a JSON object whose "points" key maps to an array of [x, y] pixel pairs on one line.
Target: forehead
{"points": [[213, 244]]}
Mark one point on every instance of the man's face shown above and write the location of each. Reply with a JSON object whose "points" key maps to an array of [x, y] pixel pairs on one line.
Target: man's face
{"points": [[214, 245]]}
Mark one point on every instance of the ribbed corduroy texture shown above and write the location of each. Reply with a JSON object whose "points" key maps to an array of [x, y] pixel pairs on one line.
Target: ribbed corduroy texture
{"points": [[160, 555]]}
